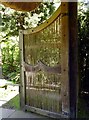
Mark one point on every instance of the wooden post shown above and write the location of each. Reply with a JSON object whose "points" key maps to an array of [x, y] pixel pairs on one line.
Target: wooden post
{"points": [[69, 58], [22, 80], [73, 58], [64, 59]]}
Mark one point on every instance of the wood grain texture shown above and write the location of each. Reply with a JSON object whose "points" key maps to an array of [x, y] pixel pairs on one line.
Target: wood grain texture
{"points": [[21, 6]]}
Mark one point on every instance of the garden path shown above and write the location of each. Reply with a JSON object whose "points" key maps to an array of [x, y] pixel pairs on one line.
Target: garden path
{"points": [[7, 93]]}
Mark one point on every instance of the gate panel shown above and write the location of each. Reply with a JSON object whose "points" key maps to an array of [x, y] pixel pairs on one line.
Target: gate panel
{"points": [[43, 87], [43, 64]]}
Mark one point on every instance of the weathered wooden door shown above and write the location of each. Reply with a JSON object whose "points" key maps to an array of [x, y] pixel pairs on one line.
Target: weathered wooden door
{"points": [[43, 86], [44, 66]]}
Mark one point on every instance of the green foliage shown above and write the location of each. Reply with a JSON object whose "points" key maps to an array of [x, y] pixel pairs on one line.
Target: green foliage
{"points": [[83, 39], [11, 60], [14, 76], [46, 8], [12, 21], [13, 103]]}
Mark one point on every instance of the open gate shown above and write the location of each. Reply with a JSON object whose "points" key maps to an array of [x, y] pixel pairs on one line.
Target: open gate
{"points": [[44, 67]]}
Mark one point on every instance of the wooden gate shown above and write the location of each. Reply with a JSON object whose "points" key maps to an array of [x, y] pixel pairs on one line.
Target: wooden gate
{"points": [[44, 66]]}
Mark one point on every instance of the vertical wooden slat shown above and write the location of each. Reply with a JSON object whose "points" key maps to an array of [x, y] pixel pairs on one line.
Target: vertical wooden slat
{"points": [[22, 84], [64, 59]]}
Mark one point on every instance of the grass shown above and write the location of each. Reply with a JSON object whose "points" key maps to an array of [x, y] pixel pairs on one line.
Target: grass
{"points": [[13, 103]]}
